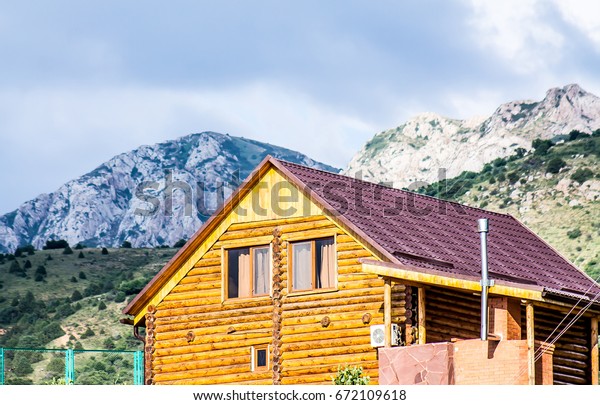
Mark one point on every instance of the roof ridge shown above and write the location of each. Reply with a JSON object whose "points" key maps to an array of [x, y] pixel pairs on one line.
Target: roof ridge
{"points": [[425, 196]]}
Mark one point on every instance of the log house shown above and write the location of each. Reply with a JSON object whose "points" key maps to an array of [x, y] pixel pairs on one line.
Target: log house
{"points": [[284, 282]]}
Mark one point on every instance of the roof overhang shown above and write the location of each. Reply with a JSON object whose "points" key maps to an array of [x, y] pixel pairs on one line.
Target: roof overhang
{"points": [[428, 277]]}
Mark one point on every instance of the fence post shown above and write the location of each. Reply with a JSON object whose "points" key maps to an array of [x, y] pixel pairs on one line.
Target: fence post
{"points": [[138, 368], [1, 366], [69, 367]]}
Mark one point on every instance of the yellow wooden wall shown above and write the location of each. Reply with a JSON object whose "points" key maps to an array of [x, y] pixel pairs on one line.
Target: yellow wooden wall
{"points": [[225, 331], [202, 339]]}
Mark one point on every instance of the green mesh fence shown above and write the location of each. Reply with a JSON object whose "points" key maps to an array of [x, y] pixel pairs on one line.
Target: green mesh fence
{"points": [[20, 366]]}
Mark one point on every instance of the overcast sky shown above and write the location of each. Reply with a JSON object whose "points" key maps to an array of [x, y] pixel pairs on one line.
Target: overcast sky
{"points": [[82, 81]]}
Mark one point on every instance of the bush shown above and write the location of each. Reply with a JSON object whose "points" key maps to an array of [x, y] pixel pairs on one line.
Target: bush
{"points": [[574, 233], [126, 245], [101, 306], [180, 243], [582, 175], [56, 244], [350, 376], [82, 275], [88, 333], [76, 296], [541, 146], [513, 177], [555, 164]]}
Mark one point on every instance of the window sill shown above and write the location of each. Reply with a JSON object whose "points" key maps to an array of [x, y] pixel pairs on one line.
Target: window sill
{"points": [[234, 301], [312, 292]]}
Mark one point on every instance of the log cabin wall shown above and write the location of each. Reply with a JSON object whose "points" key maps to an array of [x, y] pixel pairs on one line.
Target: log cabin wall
{"points": [[452, 314], [202, 339], [571, 360]]}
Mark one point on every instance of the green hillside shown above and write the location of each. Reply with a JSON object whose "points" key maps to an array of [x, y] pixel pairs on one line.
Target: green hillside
{"points": [[55, 300], [555, 191]]}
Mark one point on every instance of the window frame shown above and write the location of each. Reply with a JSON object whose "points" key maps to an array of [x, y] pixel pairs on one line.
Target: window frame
{"points": [[312, 241], [225, 271], [254, 367]]}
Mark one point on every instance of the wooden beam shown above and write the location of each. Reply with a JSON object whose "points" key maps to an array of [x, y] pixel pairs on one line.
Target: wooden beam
{"points": [[594, 350], [387, 311], [413, 276], [530, 344], [421, 316]]}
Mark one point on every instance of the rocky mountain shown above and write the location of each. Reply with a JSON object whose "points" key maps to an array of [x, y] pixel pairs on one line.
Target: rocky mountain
{"points": [[417, 150], [151, 196]]}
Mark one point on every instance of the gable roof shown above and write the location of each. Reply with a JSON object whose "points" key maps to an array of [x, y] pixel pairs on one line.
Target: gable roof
{"points": [[425, 232], [411, 230]]}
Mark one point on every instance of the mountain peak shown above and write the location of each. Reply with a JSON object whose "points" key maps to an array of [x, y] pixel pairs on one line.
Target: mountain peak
{"points": [[418, 149], [150, 196]]}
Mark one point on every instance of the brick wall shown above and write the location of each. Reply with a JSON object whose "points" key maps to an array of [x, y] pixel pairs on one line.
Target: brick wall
{"points": [[490, 362], [465, 362]]}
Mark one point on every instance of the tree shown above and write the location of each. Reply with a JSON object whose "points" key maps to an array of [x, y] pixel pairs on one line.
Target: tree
{"points": [[541, 146], [55, 244], [76, 296], [79, 246], [180, 243], [104, 251], [101, 306], [82, 275], [554, 165], [15, 268], [27, 264], [80, 255], [67, 251], [126, 245]]}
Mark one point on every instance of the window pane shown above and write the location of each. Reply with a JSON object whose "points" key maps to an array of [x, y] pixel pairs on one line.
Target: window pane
{"points": [[238, 273], [261, 358], [301, 266], [325, 263], [261, 271]]}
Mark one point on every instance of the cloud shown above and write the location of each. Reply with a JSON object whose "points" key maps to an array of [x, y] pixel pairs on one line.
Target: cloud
{"points": [[519, 32], [55, 134], [583, 15]]}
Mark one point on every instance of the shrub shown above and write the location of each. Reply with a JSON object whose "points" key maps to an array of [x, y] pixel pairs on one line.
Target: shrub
{"points": [[350, 376], [574, 233], [582, 175], [88, 333], [555, 164], [180, 243], [55, 244], [513, 177], [541, 146], [76, 296]]}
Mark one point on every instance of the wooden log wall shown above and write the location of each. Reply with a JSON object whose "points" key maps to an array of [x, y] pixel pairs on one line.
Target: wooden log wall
{"points": [[201, 340], [572, 360], [452, 314]]}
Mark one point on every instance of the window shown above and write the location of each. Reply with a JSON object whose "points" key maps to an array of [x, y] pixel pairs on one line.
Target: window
{"points": [[313, 264], [248, 272], [260, 358]]}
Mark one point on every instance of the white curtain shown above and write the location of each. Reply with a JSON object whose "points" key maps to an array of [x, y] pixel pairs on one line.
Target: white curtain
{"points": [[261, 271], [301, 266], [244, 275], [327, 264]]}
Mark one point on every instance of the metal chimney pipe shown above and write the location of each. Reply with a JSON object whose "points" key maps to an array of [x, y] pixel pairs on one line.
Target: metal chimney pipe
{"points": [[482, 227]]}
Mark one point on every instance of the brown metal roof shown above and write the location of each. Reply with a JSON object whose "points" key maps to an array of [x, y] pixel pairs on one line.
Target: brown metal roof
{"points": [[429, 233], [410, 229]]}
